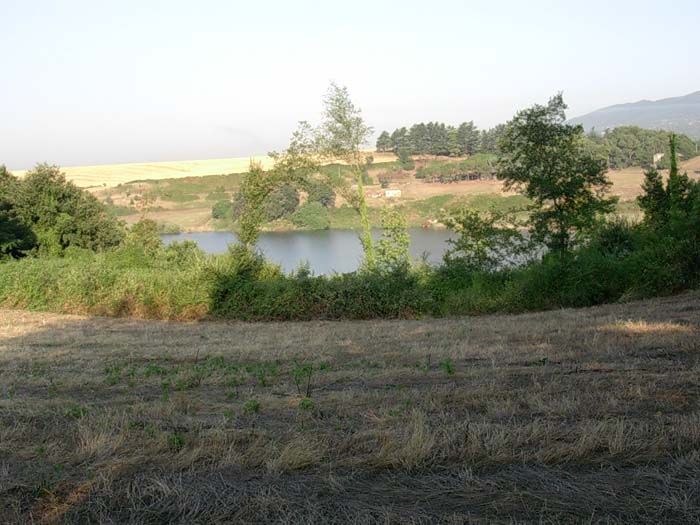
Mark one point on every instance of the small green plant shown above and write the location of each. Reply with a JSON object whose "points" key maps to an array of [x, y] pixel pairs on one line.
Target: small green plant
{"points": [[302, 375], [176, 441], [113, 374], [543, 361], [154, 370], [165, 390], [447, 366], [307, 405], [75, 411], [251, 407]]}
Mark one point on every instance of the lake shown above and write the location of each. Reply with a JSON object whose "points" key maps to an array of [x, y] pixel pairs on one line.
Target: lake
{"points": [[326, 251]]}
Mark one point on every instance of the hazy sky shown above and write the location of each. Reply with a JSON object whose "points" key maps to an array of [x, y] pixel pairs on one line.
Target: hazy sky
{"points": [[91, 82]]}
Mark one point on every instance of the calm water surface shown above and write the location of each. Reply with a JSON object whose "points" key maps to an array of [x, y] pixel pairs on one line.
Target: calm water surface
{"points": [[326, 251]]}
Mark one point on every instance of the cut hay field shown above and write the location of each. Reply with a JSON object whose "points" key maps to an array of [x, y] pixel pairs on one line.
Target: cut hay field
{"points": [[109, 175], [586, 416]]}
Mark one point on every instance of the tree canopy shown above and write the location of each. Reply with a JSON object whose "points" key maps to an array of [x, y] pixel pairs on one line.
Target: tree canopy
{"points": [[58, 213], [544, 158], [437, 138]]}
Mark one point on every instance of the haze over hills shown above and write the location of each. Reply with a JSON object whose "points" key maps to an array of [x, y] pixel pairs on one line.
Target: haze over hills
{"points": [[680, 114]]}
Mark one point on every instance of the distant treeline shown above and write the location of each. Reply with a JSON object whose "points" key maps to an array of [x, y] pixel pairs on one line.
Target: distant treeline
{"points": [[620, 147], [437, 138], [477, 167], [633, 146]]}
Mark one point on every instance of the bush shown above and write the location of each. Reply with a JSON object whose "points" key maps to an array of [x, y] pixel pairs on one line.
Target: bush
{"points": [[58, 213], [222, 209], [281, 202], [320, 192], [311, 216], [405, 160]]}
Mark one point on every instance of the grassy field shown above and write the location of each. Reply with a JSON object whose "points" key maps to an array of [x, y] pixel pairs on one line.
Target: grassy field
{"points": [[567, 416]]}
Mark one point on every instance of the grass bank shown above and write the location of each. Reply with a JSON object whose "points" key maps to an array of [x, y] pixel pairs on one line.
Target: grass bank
{"points": [[565, 416]]}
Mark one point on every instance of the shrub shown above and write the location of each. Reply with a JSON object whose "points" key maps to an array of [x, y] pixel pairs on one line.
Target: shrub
{"points": [[281, 202], [311, 216], [222, 209], [320, 192], [58, 213]]}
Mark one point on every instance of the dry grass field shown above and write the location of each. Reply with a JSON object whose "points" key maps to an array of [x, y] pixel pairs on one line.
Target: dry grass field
{"points": [[568, 416], [109, 175]]}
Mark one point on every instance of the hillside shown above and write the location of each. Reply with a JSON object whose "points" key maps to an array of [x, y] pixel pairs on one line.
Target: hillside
{"points": [[547, 417], [185, 204], [680, 114], [109, 175]]}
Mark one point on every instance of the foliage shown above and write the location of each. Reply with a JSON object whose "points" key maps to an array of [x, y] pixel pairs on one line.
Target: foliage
{"points": [[627, 146], [341, 135], [484, 242], [320, 191], [281, 202], [311, 216], [478, 166], [145, 235], [60, 214], [543, 158], [222, 209], [436, 138], [16, 238], [393, 248], [405, 160], [384, 142]]}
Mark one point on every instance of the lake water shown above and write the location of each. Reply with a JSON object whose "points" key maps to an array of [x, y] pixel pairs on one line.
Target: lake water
{"points": [[326, 251]]}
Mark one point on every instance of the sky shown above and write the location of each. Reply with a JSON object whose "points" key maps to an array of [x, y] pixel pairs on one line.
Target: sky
{"points": [[100, 82]]}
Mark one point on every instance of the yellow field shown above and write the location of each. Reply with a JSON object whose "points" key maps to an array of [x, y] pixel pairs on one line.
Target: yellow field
{"points": [[108, 175], [114, 174]]}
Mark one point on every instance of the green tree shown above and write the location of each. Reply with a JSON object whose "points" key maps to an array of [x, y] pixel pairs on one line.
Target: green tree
{"points": [[16, 238], [393, 248], [320, 191], [654, 200], [544, 159], [311, 216], [384, 142], [222, 209], [405, 159], [281, 202], [144, 234], [484, 242], [341, 135], [60, 214]]}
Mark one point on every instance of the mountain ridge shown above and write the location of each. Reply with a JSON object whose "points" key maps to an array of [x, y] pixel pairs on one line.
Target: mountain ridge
{"points": [[679, 114]]}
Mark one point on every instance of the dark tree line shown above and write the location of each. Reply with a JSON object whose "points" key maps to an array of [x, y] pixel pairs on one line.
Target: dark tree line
{"points": [[620, 147], [627, 146], [437, 138]]}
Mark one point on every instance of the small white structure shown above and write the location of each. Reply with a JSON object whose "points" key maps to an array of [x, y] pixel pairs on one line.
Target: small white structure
{"points": [[392, 194], [657, 158]]}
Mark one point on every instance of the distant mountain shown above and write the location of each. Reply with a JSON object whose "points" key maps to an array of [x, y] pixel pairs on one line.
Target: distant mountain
{"points": [[679, 114]]}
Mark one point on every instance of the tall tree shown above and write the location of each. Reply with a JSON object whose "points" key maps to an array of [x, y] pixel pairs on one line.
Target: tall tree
{"points": [[342, 135], [384, 142], [543, 157]]}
